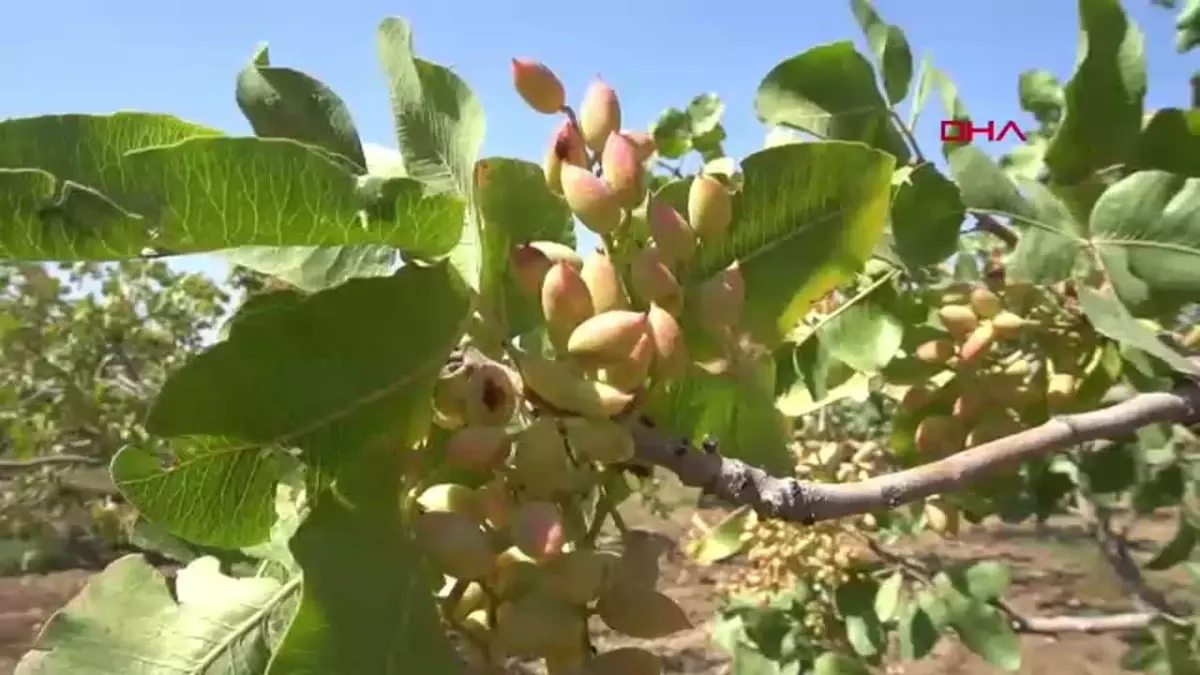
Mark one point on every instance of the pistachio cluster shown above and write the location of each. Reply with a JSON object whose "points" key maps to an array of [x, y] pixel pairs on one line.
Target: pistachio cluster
{"points": [[536, 438], [781, 556]]}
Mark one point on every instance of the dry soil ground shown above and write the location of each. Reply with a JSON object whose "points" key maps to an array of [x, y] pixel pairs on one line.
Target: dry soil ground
{"points": [[1055, 571]]}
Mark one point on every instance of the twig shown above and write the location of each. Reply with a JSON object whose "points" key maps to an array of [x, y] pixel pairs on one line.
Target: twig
{"points": [[1116, 553], [799, 501], [16, 465], [1034, 625], [984, 222], [918, 157]]}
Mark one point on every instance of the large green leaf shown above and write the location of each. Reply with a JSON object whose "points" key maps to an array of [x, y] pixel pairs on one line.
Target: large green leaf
{"points": [[1146, 232], [808, 217], [199, 192], [830, 91], [866, 332], [1102, 116], [515, 207], [1171, 142], [890, 48], [286, 103], [1050, 238], [927, 215], [333, 374], [315, 268], [439, 127], [1111, 319], [367, 604], [986, 632], [736, 407], [128, 620]]}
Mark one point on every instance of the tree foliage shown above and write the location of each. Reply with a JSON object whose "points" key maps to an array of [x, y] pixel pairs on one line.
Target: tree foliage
{"points": [[85, 346], [419, 425]]}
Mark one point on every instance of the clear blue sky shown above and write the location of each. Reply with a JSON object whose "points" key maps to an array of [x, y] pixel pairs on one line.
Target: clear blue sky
{"points": [[102, 56]]}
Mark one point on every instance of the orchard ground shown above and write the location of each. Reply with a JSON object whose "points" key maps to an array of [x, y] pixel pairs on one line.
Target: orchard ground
{"points": [[1056, 570]]}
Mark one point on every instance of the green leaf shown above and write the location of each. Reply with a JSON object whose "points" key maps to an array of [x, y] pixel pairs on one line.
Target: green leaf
{"points": [[737, 407], [1187, 26], [889, 597], [515, 207], [927, 216], [1178, 550], [808, 217], [1146, 230], [985, 581], [316, 268], [986, 632], [890, 48], [439, 126], [917, 633], [672, 133], [274, 191], [865, 333], [167, 482], [704, 114], [1051, 240], [439, 122], [830, 91], [205, 193], [286, 103], [1103, 112], [725, 539], [338, 372], [1171, 142], [925, 83], [1041, 95], [1111, 319], [832, 663], [367, 604], [128, 620]]}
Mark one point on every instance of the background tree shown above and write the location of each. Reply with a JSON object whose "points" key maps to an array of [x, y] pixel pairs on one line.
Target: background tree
{"points": [[85, 346]]}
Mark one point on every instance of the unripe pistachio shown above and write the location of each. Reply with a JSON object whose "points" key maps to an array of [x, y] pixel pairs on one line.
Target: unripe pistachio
{"points": [[566, 147], [540, 463], [457, 544], [643, 142], [477, 447], [1008, 325], [591, 199], [603, 282], [623, 171], [670, 351], [722, 299], [531, 262], [710, 208], [940, 435], [653, 281], [451, 498], [629, 373], [566, 302], [935, 351], [537, 529], [985, 303], [978, 343], [599, 114], [539, 86], [676, 240], [960, 320], [610, 335]]}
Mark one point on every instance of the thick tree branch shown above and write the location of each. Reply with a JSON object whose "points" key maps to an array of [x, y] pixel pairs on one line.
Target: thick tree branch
{"points": [[736, 482]]}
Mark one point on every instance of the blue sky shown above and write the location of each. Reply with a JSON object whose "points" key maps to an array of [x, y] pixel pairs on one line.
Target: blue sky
{"points": [[181, 58]]}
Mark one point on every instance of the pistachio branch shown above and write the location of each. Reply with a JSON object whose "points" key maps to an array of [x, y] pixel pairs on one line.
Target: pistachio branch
{"points": [[807, 502]]}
